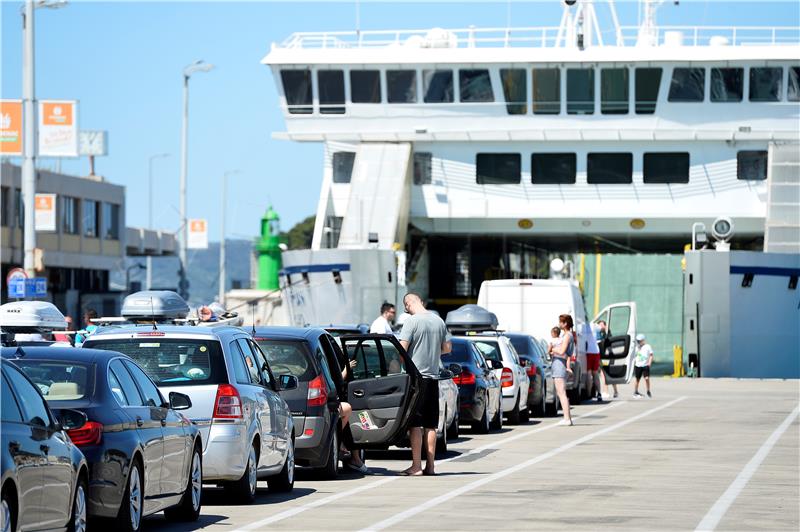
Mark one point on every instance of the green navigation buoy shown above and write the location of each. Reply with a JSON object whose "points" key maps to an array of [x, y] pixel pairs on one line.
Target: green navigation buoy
{"points": [[269, 251]]}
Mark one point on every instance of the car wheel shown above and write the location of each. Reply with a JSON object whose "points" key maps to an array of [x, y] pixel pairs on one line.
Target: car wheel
{"points": [[514, 415], [482, 426], [525, 413], [243, 491], [8, 512], [132, 506], [189, 507], [452, 430], [551, 409], [441, 444], [284, 481], [77, 522], [497, 421], [331, 469]]}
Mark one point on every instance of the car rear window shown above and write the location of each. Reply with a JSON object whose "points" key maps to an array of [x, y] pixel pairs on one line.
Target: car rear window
{"points": [[288, 357], [60, 380], [521, 345], [173, 361], [458, 353], [489, 349]]}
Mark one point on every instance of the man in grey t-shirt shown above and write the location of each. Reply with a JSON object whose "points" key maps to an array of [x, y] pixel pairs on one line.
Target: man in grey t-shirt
{"points": [[425, 338]]}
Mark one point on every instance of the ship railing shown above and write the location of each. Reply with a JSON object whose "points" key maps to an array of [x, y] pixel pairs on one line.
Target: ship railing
{"points": [[541, 37]]}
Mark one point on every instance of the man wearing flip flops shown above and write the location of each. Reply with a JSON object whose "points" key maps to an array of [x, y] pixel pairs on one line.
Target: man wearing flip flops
{"points": [[425, 338]]}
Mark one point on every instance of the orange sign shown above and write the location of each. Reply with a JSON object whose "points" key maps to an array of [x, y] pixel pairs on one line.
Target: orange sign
{"points": [[198, 234], [44, 209], [11, 127], [197, 226], [44, 202], [57, 113]]}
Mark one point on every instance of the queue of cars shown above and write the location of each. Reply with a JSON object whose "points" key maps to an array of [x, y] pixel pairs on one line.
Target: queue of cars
{"points": [[148, 411]]}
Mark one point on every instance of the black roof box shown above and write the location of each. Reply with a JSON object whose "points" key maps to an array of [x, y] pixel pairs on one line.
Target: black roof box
{"points": [[154, 304], [471, 318]]}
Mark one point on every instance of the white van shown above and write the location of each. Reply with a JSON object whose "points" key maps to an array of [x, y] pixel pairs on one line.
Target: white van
{"points": [[532, 306]]}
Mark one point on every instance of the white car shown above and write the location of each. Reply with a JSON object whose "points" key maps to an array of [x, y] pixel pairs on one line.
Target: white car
{"points": [[514, 382]]}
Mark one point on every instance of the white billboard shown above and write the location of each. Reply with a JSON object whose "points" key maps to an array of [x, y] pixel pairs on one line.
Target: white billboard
{"points": [[198, 234], [58, 128], [44, 208]]}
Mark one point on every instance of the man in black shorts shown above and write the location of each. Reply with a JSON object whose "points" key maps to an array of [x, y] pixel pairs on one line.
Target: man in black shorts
{"points": [[425, 338]]}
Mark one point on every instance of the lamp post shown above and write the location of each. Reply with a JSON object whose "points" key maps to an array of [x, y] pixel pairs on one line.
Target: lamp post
{"points": [[149, 281], [222, 273], [197, 66]]}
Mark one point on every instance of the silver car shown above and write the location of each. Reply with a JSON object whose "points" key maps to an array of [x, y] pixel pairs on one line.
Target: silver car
{"points": [[247, 428]]}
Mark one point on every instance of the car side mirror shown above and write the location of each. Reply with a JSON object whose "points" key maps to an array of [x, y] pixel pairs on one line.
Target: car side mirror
{"points": [[69, 419], [287, 382], [179, 401], [455, 369], [495, 364]]}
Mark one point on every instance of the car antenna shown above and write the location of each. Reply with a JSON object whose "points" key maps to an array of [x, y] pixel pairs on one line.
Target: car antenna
{"points": [[153, 313], [253, 315], [19, 353]]}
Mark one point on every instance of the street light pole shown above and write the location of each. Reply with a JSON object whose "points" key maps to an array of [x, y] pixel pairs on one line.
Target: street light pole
{"points": [[149, 281], [222, 272], [28, 139], [197, 66]]}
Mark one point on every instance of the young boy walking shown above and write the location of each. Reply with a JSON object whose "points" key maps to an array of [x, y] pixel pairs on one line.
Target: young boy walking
{"points": [[642, 363]]}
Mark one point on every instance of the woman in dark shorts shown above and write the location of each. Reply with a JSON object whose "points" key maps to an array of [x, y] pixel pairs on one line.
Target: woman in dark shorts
{"points": [[561, 354]]}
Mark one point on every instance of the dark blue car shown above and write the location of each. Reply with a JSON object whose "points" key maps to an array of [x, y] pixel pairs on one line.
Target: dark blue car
{"points": [[541, 393]]}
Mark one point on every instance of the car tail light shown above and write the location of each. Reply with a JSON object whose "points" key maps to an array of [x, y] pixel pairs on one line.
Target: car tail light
{"points": [[506, 378], [531, 370], [466, 377], [228, 404], [317, 392], [91, 433]]}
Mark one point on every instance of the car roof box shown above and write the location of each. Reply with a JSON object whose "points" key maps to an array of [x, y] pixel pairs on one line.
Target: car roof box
{"points": [[31, 316], [154, 305], [471, 318]]}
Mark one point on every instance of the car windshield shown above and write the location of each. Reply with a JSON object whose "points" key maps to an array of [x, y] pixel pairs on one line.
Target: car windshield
{"points": [[172, 362], [459, 353], [489, 349], [60, 380], [288, 357], [521, 345]]}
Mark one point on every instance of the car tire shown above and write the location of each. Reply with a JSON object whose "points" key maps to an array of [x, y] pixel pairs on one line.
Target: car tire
{"points": [[497, 421], [525, 413], [132, 505], [8, 509], [331, 469], [192, 501], [514, 415], [243, 491], [483, 425], [453, 430], [551, 409], [441, 445], [283, 482], [78, 518]]}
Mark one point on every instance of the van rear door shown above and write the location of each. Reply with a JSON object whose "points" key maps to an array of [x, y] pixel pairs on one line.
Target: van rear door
{"points": [[617, 348]]}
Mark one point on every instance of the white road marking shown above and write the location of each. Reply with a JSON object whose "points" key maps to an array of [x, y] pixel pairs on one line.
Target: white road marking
{"points": [[344, 494], [436, 501], [720, 508]]}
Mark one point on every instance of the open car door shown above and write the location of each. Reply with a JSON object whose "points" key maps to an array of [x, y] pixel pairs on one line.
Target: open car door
{"points": [[618, 347], [384, 389]]}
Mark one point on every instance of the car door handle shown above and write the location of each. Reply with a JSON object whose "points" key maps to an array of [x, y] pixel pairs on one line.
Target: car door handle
{"points": [[163, 422], [358, 393], [139, 422], [45, 448]]}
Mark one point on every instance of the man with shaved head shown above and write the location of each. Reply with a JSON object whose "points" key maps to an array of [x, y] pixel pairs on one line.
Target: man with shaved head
{"points": [[425, 338]]}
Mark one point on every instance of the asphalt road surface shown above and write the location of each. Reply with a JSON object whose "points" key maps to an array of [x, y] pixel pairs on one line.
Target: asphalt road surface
{"points": [[702, 454]]}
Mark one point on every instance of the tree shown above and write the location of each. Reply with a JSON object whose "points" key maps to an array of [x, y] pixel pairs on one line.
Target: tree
{"points": [[299, 236]]}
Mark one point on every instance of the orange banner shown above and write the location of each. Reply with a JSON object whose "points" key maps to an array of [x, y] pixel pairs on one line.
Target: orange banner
{"points": [[11, 127], [57, 113]]}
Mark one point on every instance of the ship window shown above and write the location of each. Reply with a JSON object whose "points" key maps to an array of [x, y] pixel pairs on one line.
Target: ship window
{"points": [[297, 88], [751, 165], [688, 85], [765, 84], [580, 91], [515, 90], [648, 81], [726, 84], [476, 86], [546, 91], [553, 168], [438, 85], [609, 168], [422, 168], [401, 86], [365, 86], [498, 168], [794, 84], [614, 91], [666, 167], [343, 166], [331, 91]]}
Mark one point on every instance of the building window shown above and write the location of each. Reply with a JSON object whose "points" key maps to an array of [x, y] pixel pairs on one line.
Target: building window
{"points": [[365, 86], [688, 85], [438, 86], [515, 90], [19, 208], [580, 91], [331, 91], [546, 91], [91, 218], [498, 168], [422, 168], [110, 221], [766, 84], [343, 166], [297, 89], [609, 168], [476, 86], [666, 167], [5, 203], [648, 81], [401, 86], [751, 165], [794, 84], [70, 215], [726, 84], [614, 91], [553, 168]]}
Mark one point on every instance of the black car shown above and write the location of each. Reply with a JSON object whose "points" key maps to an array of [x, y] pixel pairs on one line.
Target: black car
{"points": [[44, 475], [478, 387], [542, 392], [309, 355], [144, 457]]}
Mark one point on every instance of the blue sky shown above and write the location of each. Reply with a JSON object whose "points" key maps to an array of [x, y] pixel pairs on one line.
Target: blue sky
{"points": [[123, 62]]}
